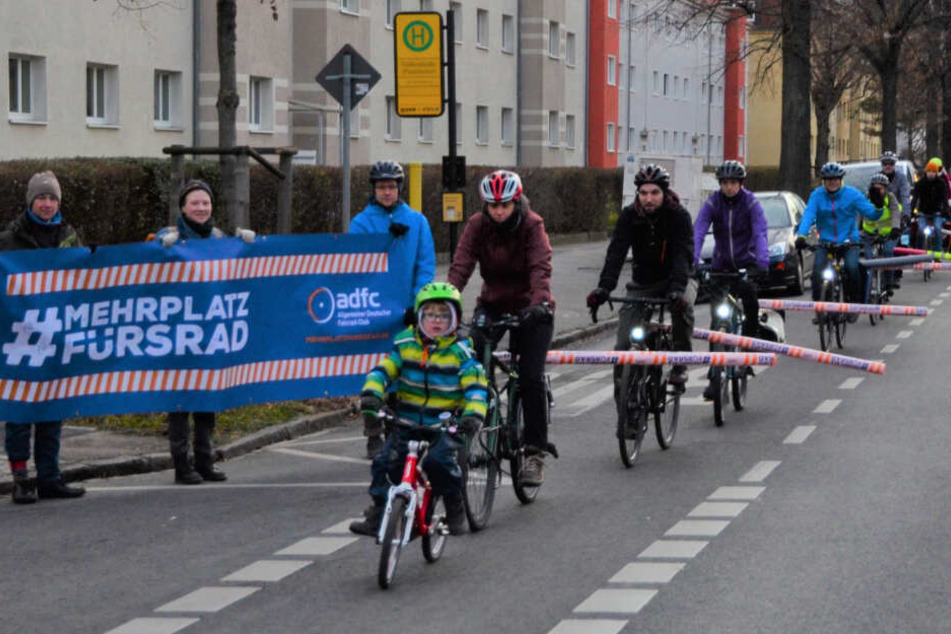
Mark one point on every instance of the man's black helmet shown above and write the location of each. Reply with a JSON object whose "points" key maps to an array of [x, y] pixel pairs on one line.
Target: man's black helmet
{"points": [[831, 170], [654, 175], [879, 179], [888, 156], [386, 171], [731, 169]]}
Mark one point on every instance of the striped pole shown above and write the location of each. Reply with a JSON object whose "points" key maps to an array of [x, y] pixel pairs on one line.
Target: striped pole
{"points": [[796, 352], [903, 262], [650, 357], [933, 266], [844, 307], [938, 255]]}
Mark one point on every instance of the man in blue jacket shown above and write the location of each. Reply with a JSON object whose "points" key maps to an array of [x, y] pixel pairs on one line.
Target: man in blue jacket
{"points": [[412, 255], [834, 208]]}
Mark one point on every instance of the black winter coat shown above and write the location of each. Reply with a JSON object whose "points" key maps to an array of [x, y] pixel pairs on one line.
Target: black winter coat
{"points": [[22, 233]]}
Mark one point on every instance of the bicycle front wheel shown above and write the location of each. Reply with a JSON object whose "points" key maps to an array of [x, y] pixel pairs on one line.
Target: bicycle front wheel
{"points": [[392, 539], [525, 494], [666, 414], [874, 294], [480, 472], [630, 414], [826, 325], [434, 539]]}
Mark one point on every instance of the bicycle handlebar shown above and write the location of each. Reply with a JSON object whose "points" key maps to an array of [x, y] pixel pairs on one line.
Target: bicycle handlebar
{"points": [[390, 419], [652, 301]]}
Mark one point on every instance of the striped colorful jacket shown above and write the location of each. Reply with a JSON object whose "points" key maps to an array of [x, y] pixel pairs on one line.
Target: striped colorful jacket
{"points": [[430, 378]]}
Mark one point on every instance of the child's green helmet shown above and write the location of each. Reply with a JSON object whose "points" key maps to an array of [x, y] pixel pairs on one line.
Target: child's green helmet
{"points": [[439, 291]]}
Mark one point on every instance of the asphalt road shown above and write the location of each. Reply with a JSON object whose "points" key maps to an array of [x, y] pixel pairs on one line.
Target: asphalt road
{"points": [[820, 508]]}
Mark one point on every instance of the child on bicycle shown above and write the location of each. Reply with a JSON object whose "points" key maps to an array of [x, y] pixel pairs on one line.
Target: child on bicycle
{"points": [[435, 371]]}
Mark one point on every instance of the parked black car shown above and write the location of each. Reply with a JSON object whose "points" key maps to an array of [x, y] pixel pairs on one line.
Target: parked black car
{"points": [[787, 267]]}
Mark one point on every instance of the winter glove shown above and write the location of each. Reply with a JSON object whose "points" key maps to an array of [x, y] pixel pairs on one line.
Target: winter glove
{"points": [[894, 234], [169, 239], [536, 314], [755, 273], [398, 229], [801, 242], [597, 297], [370, 405], [469, 425], [677, 302], [246, 235]]}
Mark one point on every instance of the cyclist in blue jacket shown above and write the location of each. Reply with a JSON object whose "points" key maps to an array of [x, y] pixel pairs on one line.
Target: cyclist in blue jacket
{"points": [[834, 208]]}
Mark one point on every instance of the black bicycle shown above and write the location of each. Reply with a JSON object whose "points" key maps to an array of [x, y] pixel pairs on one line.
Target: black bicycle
{"points": [[726, 316], [876, 292], [832, 324], [641, 391]]}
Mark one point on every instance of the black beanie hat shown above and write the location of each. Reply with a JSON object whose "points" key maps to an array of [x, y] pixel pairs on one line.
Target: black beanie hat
{"points": [[191, 186]]}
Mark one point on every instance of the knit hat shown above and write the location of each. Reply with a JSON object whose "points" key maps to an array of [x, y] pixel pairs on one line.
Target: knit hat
{"points": [[42, 183], [191, 186], [934, 165]]}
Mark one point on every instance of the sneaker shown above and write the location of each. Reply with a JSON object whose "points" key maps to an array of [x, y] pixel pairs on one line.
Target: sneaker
{"points": [[374, 445], [58, 489], [209, 473], [678, 376], [370, 524], [24, 491], [455, 514], [533, 470], [708, 392]]}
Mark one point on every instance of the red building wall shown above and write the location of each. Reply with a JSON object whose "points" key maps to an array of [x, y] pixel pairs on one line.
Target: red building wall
{"points": [[734, 117], [602, 99]]}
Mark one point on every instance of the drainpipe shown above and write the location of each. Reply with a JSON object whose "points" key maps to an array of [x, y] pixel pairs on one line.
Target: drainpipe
{"points": [[709, 87], [518, 84], [587, 43], [196, 69]]}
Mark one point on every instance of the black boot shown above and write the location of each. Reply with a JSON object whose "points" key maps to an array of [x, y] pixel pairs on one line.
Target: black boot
{"points": [[184, 474], [374, 445], [58, 489], [205, 467], [24, 491], [370, 524], [455, 514]]}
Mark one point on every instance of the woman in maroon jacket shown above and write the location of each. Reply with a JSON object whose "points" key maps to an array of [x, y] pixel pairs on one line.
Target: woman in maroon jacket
{"points": [[509, 242]]}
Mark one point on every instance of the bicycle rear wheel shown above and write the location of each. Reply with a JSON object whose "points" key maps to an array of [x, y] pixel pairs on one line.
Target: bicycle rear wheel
{"points": [[666, 414], [841, 322], [631, 414], [434, 540], [874, 294], [525, 494], [826, 325], [479, 473], [738, 383], [392, 537]]}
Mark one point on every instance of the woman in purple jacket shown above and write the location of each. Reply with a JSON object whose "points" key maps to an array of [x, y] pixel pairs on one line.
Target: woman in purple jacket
{"points": [[739, 232]]}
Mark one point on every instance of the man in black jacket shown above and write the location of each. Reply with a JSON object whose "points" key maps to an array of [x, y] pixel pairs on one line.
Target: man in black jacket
{"points": [[658, 230], [40, 226]]}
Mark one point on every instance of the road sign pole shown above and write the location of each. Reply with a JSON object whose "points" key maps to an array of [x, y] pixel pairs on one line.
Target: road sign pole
{"points": [[451, 94], [345, 141]]}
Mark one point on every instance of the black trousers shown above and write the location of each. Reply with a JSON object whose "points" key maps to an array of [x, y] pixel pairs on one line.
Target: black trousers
{"points": [[178, 434]]}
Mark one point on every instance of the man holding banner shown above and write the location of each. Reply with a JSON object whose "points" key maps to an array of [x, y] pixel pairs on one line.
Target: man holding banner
{"points": [[41, 226]]}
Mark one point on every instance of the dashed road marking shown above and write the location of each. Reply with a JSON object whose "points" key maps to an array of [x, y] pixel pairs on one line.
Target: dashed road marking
{"points": [[799, 435], [231, 486], [673, 549], [647, 572], [325, 441], [759, 471], [852, 383], [617, 600], [208, 599], [936, 302], [944, 294], [317, 546], [827, 406], [917, 321], [736, 493], [593, 400], [316, 456], [697, 528], [153, 625], [890, 348], [342, 527], [904, 334], [588, 626], [267, 570], [718, 509]]}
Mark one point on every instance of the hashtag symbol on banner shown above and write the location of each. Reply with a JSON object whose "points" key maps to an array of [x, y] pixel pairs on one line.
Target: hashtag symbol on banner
{"points": [[25, 345]]}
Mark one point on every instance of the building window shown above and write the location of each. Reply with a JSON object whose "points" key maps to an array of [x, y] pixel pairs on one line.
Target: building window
{"points": [[720, 95], [655, 86], [167, 99], [676, 141], [353, 6], [631, 77], [610, 137], [703, 92], [102, 83], [554, 39], [570, 131], [686, 93], [261, 104], [393, 128], [612, 8], [676, 86], [570, 49], [27, 88], [392, 8], [508, 34], [666, 136], [425, 130], [482, 125], [631, 137], [508, 126], [456, 8], [612, 70], [666, 85], [482, 28], [621, 76], [553, 128]]}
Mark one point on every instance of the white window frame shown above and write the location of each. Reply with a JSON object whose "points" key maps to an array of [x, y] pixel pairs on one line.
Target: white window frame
{"points": [[612, 138], [676, 86], [554, 130], [570, 54], [508, 126], [350, 6], [570, 131], [394, 128], [612, 9], [425, 131], [260, 104], [612, 70], [167, 99], [391, 7], [554, 40], [482, 28], [482, 125], [36, 71], [457, 22], [508, 33], [102, 99], [666, 84]]}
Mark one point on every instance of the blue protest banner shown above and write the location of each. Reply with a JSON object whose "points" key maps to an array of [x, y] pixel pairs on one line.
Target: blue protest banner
{"points": [[205, 325]]}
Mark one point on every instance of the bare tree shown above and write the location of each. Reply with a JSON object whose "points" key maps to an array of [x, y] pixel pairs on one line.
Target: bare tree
{"points": [[797, 83]]}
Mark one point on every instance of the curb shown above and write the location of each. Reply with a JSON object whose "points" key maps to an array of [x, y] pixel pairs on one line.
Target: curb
{"points": [[148, 463]]}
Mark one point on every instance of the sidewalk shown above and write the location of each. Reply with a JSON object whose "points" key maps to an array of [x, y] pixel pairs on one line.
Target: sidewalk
{"points": [[87, 453]]}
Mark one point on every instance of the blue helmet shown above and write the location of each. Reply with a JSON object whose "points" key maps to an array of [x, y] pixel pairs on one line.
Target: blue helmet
{"points": [[831, 170]]}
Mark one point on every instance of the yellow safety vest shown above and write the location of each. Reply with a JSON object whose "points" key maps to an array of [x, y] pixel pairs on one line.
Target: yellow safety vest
{"points": [[884, 224]]}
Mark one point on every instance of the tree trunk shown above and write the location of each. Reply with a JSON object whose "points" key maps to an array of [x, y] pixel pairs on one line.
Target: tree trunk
{"points": [[228, 105], [889, 77], [797, 78], [931, 118], [946, 116], [822, 135]]}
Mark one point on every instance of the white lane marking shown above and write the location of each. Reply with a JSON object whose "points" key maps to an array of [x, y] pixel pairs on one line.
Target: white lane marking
{"points": [[697, 528], [342, 527], [623, 601], [827, 406], [718, 509], [904, 334], [799, 435], [228, 487], [673, 549], [647, 572], [593, 400], [760, 471], [890, 348], [554, 374], [317, 546], [267, 570], [736, 493], [208, 599], [917, 321], [153, 625], [326, 441], [851, 384], [693, 401], [944, 294], [936, 302], [316, 456], [588, 626]]}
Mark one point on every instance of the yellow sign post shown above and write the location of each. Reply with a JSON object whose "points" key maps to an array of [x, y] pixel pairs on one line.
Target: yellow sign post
{"points": [[452, 207], [419, 64]]}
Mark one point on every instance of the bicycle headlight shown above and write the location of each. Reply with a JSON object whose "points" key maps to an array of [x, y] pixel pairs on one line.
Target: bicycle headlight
{"points": [[723, 311], [637, 333], [928, 230], [828, 274]]}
